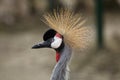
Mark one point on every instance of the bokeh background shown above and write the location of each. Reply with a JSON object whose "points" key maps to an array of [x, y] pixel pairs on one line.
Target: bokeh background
{"points": [[21, 27]]}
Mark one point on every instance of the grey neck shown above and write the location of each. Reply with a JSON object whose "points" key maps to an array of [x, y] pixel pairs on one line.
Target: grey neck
{"points": [[61, 69]]}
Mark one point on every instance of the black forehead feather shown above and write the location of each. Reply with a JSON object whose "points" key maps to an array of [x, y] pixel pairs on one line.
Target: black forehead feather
{"points": [[49, 34]]}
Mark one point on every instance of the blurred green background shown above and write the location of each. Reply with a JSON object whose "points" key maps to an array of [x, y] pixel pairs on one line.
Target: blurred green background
{"points": [[21, 27]]}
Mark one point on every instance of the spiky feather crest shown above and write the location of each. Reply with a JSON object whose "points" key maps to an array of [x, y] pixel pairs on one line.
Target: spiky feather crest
{"points": [[69, 25]]}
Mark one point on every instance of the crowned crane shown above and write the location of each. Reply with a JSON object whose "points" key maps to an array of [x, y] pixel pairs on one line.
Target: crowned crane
{"points": [[67, 32]]}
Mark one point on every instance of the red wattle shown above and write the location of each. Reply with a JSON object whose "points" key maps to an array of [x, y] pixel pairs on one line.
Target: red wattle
{"points": [[58, 35], [57, 56]]}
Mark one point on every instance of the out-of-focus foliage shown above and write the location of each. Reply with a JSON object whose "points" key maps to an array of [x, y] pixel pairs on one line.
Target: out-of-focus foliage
{"points": [[11, 10]]}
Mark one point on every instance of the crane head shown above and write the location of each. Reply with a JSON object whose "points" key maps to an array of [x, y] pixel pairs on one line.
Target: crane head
{"points": [[52, 39]]}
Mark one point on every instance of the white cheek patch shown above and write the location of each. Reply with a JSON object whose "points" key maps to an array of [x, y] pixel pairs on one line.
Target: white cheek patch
{"points": [[57, 42]]}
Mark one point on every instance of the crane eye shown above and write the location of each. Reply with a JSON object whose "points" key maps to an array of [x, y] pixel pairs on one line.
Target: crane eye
{"points": [[52, 40], [56, 42]]}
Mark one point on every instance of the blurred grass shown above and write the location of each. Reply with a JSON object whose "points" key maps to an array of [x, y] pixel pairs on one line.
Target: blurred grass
{"points": [[23, 25]]}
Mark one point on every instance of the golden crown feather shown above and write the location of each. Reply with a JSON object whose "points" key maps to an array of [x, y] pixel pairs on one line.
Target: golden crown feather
{"points": [[70, 26]]}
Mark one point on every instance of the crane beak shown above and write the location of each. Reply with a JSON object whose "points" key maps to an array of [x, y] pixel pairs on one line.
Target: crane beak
{"points": [[44, 44]]}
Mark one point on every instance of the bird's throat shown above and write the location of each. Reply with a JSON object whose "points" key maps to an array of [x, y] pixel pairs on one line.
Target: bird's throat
{"points": [[61, 71], [57, 56]]}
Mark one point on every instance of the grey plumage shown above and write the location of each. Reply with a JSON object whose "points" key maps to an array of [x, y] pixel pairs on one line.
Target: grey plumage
{"points": [[61, 69]]}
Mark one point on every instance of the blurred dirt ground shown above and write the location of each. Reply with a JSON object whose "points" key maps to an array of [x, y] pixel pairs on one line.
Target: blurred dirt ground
{"points": [[19, 62]]}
